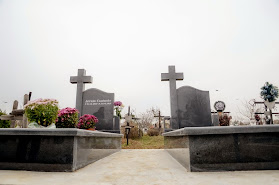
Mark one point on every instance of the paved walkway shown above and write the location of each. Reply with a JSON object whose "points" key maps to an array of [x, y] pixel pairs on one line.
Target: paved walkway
{"points": [[139, 167]]}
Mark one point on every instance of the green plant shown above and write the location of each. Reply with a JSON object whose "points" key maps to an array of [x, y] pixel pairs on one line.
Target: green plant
{"points": [[42, 111], [4, 123], [118, 108], [269, 92], [87, 121], [67, 118]]}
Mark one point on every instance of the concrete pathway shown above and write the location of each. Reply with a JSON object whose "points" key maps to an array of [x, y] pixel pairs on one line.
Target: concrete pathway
{"points": [[139, 167]]}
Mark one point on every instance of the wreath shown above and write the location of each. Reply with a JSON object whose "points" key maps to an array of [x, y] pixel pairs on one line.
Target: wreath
{"points": [[269, 92]]}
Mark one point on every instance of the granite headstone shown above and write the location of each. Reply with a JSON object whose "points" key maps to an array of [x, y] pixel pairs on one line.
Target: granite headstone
{"points": [[193, 107], [215, 120], [100, 104]]}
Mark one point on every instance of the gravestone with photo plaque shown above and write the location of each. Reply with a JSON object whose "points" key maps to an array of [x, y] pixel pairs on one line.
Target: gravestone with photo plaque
{"points": [[219, 106]]}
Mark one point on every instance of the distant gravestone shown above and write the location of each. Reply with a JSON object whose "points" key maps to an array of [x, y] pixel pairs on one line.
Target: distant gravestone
{"points": [[193, 107], [95, 102], [215, 119], [190, 107], [219, 106], [18, 114]]}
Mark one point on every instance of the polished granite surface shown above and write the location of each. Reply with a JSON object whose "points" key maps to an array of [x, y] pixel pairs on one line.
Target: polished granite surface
{"points": [[240, 149], [223, 130], [91, 149], [55, 132], [54, 149]]}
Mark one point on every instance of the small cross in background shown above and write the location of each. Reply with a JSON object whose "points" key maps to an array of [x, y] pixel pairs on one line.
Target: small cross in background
{"points": [[159, 116]]}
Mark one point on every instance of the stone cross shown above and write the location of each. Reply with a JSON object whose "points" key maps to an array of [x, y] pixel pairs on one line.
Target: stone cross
{"points": [[128, 118], [172, 76], [80, 80], [26, 98], [13, 120]]}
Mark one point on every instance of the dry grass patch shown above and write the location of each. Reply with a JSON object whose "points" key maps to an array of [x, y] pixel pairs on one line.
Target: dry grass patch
{"points": [[146, 142]]}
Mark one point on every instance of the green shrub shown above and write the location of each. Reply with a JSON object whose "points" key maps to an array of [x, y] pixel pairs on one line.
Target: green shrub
{"points": [[153, 132], [4, 123], [42, 111]]}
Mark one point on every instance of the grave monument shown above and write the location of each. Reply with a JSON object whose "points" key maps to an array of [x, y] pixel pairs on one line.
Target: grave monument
{"points": [[201, 147], [219, 106], [95, 102], [190, 107], [18, 114]]}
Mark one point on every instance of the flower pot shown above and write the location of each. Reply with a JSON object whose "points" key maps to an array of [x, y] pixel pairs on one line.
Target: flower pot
{"points": [[92, 129], [269, 105]]}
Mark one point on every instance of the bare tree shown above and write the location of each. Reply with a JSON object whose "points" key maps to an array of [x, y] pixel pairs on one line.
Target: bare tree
{"points": [[249, 108], [147, 117]]}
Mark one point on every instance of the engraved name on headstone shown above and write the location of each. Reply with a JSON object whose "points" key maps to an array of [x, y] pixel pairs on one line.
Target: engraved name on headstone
{"points": [[100, 104]]}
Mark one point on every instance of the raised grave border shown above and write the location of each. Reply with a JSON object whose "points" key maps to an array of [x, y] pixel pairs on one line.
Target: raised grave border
{"points": [[54, 150], [201, 149]]}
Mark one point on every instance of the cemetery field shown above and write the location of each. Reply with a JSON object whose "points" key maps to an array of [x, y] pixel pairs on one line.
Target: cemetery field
{"points": [[146, 142]]}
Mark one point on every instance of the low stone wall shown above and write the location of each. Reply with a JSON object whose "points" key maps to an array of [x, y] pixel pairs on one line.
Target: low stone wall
{"points": [[225, 148], [54, 149]]}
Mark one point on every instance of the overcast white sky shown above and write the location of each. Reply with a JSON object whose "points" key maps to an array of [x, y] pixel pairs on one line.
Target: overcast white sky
{"points": [[232, 46]]}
